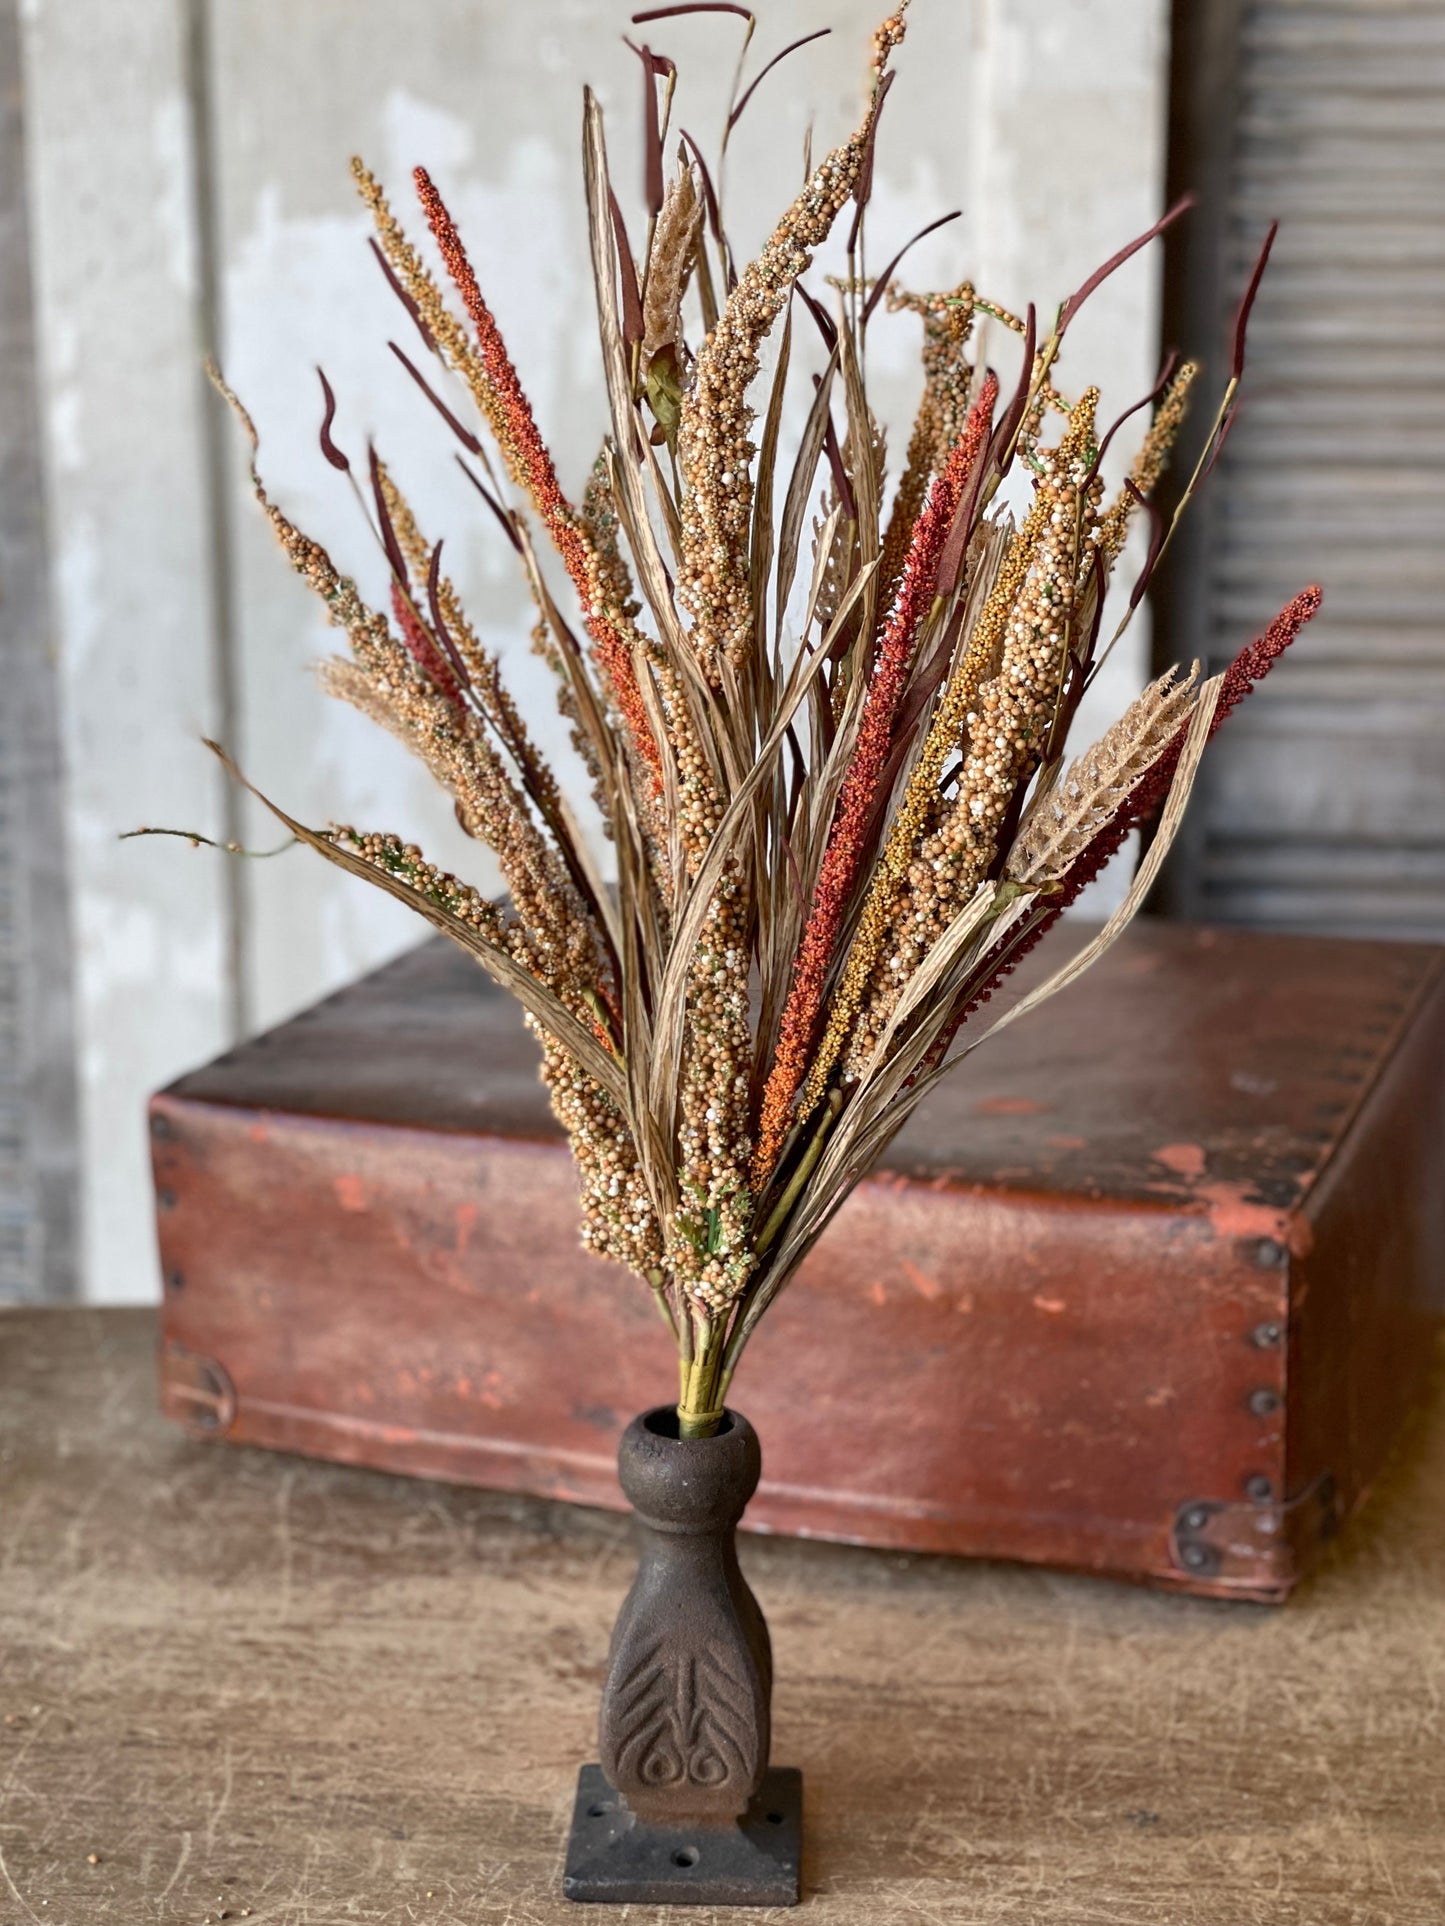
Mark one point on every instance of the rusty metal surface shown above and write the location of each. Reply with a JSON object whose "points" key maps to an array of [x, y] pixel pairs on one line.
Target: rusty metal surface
{"points": [[682, 1808], [613, 1860], [1073, 1305]]}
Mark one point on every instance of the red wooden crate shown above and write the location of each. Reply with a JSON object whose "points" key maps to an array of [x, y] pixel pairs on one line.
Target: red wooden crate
{"points": [[1145, 1289]]}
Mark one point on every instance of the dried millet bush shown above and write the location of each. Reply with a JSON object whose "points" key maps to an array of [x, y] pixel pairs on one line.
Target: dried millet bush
{"points": [[828, 847]]}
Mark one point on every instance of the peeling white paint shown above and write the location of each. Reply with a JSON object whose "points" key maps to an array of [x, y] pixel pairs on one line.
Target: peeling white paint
{"points": [[107, 167], [418, 132]]}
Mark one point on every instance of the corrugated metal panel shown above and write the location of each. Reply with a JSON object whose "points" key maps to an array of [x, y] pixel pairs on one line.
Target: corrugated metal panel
{"points": [[1325, 804]]}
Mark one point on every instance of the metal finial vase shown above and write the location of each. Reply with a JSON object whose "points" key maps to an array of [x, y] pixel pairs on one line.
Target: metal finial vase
{"points": [[683, 1806]]}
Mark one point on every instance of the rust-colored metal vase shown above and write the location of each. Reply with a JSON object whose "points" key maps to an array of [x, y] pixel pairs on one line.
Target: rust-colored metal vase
{"points": [[684, 1807]]}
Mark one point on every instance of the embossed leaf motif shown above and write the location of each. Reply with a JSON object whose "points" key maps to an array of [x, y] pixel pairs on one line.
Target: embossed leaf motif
{"points": [[684, 1717]]}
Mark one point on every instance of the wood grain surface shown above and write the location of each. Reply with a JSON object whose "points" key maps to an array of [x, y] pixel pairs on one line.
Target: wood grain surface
{"points": [[235, 1685]]}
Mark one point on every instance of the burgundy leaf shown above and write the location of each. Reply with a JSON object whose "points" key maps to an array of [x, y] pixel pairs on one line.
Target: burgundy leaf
{"points": [[496, 507], [1008, 825], [1241, 321], [821, 316], [652, 65], [404, 297], [438, 620], [1086, 656], [1219, 440], [463, 434], [1158, 531], [1076, 301], [1009, 422], [842, 487], [792, 47], [632, 329], [328, 447], [708, 193], [388, 533], [863, 187], [880, 286], [1166, 375], [799, 773], [691, 6]]}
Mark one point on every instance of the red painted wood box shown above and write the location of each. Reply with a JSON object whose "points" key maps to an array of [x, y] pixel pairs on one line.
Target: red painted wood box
{"points": [[1146, 1289]]}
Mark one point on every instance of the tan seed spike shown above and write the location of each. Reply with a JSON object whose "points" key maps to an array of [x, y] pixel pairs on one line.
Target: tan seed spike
{"points": [[1064, 819], [673, 246], [713, 440], [1149, 463], [942, 407], [1007, 728]]}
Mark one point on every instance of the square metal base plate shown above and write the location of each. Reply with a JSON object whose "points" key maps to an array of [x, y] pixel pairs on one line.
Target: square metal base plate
{"points": [[614, 1859]]}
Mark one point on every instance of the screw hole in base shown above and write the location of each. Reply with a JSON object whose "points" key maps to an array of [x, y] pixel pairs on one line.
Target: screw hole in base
{"points": [[688, 1856]]}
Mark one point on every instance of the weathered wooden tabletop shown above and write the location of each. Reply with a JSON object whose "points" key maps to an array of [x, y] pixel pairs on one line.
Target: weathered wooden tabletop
{"points": [[235, 1685]]}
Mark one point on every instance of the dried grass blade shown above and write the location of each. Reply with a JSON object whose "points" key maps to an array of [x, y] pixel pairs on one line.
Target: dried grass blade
{"points": [[631, 501], [631, 293], [554, 1017], [865, 478], [459, 428], [761, 546], [799, 490], [1200, 726], [826, 532], [725, 845]]}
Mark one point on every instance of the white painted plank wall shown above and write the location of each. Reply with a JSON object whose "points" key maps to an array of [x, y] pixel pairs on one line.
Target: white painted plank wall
{"points": [[113, 228]]}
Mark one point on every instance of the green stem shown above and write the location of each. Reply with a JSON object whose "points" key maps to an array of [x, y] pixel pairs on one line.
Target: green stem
{"points": [[699, 1408], [195, 838], [664, 1303], [807, 1164], [599, 1010]]}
